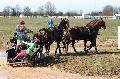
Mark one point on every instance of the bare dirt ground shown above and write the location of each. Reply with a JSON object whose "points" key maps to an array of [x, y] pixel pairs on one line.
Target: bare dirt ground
{"points": [[8, 72]]}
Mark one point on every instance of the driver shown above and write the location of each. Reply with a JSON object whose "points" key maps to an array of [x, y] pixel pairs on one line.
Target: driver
{"points": [[21, 31], [30, 50], [50, 24]]}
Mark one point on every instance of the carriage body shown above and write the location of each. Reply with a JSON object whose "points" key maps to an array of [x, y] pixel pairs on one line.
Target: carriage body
{"points": [[11, 54]]}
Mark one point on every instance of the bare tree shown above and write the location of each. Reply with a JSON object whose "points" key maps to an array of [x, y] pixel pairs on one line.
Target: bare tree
{"points": [[71, 13], [27, 11], [94, 13], [50, 8], [13, 12], [18, 10], [116, 10], [108, 10], [59, 13], [7, 11], [41, 11], [35, 14]]}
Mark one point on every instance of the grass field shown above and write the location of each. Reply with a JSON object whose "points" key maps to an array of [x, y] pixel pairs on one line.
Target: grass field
{"points": [[106, 62]]}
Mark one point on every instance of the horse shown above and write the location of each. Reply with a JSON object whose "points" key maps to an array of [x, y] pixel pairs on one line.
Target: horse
{"points": [[54, 35], [86, 33]]}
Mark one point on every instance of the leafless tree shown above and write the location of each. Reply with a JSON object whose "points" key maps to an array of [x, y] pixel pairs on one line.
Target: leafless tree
{"points": [[18, 10], [108, 10], [94, 13], [60, 13], [71, 13], [35, 14], [41, 10], [7, 11], [27, 11], [50, 8]]}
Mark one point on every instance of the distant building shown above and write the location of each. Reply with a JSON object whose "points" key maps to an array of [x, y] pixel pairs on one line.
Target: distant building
{"points": [[85, 16], [117, 16]]}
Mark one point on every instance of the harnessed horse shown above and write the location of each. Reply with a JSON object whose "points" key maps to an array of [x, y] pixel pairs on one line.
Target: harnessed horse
{"points": [[86, 33], [54, 35]]}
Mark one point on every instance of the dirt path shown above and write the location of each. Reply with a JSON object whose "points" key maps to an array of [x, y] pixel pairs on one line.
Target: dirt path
{"points": [[8, 72]]}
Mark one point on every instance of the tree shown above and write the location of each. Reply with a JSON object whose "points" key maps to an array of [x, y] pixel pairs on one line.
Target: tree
{"points": [[50, 8], [35, 14], [94, 13], [71, 13], [116, 10], [7, 11], [59, 13], [18, 10], [108, 10], [41, 11], [13, 12], [27, 11]]}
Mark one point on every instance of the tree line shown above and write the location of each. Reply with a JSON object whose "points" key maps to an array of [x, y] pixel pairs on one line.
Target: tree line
{"points": [[49, 9]]}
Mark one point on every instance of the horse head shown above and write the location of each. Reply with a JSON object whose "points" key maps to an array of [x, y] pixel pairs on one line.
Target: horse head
{"points": [[100, 23], [64, 24], [41, 35]]}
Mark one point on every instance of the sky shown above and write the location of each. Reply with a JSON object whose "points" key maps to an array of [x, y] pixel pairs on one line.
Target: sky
{"points": [[63, 5]]}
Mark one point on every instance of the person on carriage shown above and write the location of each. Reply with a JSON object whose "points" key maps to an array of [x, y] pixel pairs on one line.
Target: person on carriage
{"points": [[50, 24], [30, 50], [21, 34]]}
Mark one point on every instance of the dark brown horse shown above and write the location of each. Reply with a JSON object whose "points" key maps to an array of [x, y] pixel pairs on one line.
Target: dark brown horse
{"points": [[86, 33], [54, 35]]}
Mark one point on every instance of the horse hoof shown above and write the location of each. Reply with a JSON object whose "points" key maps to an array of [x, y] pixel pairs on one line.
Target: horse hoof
{"points": [[86, 51], [60, 53], [97, 51]]}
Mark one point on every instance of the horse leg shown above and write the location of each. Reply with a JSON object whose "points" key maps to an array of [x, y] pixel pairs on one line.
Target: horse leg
{"points": [[95, 46], [85, 41], [56, 49], [47, 49], [67, 48], [93, 43], [64, 46], [96, 49], [59, 48], [73, 42]]}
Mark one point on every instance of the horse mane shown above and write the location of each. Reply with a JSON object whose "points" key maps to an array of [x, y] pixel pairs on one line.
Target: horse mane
{"points": [[92, 23]]}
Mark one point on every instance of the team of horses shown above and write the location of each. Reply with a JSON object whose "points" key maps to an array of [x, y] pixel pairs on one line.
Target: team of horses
{"points": [[63, 33]]}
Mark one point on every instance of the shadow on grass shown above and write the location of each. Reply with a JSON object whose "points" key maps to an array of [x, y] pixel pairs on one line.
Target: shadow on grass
{"points": [[49, 61], [82, 53], [45, 62]]}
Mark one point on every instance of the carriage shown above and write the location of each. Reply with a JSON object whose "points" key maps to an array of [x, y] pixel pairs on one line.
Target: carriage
{"points": [[11, 54]]}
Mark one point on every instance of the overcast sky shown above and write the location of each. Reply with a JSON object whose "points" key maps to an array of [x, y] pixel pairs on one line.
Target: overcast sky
{"points": [[62, 5]]}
